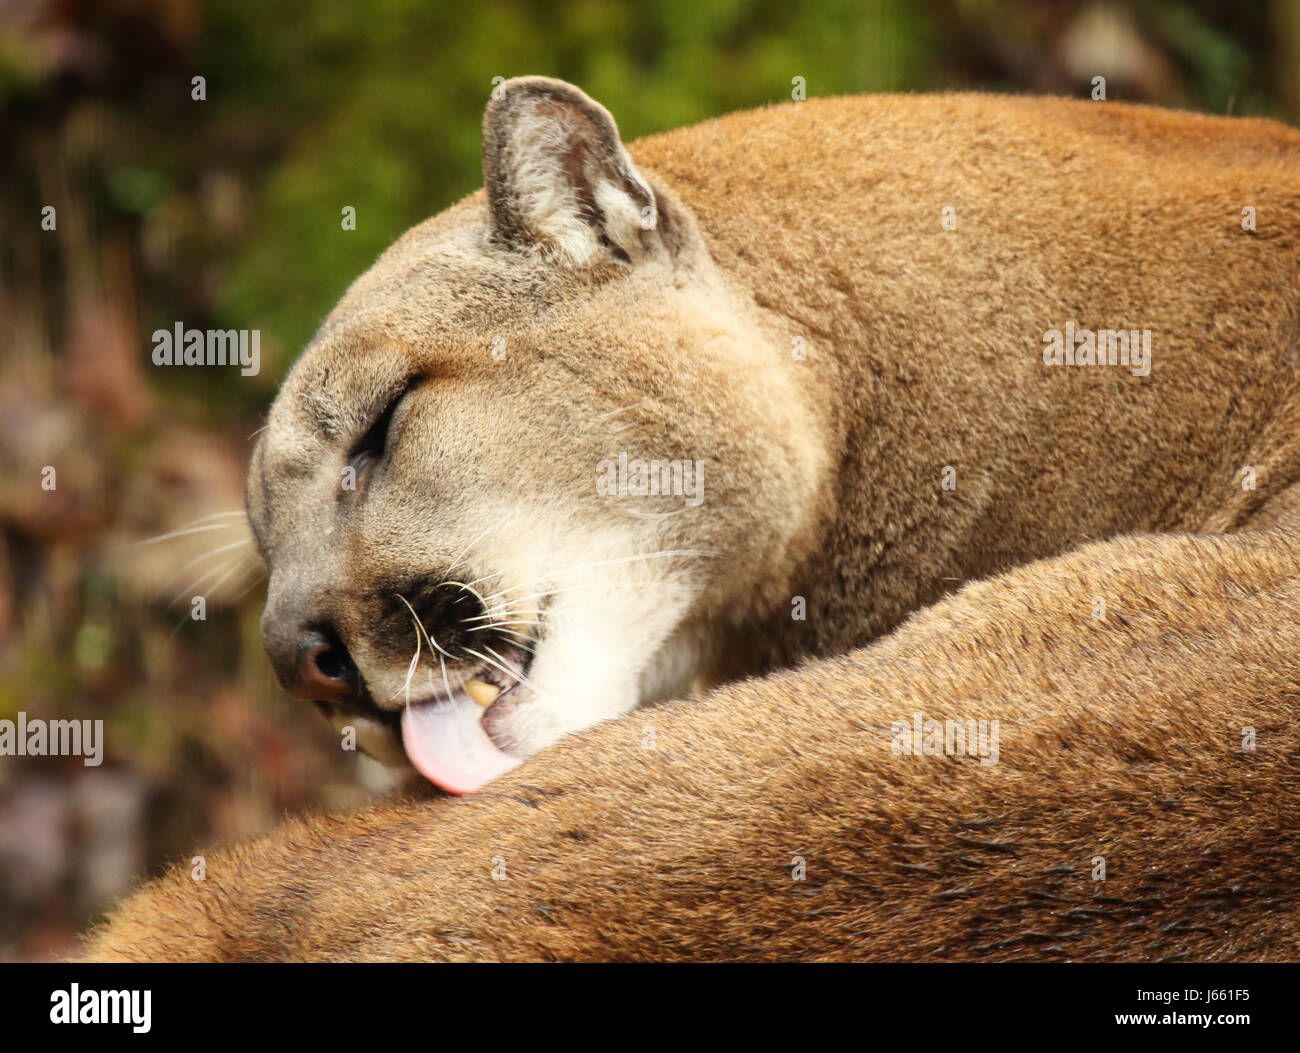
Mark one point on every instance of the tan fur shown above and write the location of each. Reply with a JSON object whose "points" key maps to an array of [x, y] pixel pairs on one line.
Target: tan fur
{"points": [[817, 222], [1120, 738]]}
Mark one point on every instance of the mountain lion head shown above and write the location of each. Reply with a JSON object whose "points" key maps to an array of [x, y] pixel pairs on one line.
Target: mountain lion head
{"points": [[537, 463]]}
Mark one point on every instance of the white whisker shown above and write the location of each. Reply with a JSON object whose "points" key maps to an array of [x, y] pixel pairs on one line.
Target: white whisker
{"points": [[467, 588], [193, 589], [257, 571], [410, 669], [463, 552], [519, 673], [512, 674], [497, 627], [211, 552], [445, 682], [432, 643], [182, 533], [215, 585]]}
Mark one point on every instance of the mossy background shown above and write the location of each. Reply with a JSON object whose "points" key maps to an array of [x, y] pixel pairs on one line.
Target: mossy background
{"points": [[225, 213]]}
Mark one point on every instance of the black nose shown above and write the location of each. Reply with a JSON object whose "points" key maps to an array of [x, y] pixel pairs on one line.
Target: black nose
{"points": [[321, 671]]}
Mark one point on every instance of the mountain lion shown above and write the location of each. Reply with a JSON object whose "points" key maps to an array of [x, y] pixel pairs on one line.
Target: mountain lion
{"points": [[748, 395]]}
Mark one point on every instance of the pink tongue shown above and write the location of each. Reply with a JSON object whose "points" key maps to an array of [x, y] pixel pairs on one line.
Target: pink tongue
{"points": [[447, 744]]}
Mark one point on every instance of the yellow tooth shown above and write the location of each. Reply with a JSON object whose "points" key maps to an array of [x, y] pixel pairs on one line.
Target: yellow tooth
{"points": [[482, 693]]}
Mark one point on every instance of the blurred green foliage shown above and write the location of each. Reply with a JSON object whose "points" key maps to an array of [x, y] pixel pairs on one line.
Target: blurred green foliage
{"points": [[319, 104], [380, 104]]}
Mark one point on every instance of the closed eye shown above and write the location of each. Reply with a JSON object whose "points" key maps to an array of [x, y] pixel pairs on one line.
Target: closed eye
{"points": [[371, 447]]}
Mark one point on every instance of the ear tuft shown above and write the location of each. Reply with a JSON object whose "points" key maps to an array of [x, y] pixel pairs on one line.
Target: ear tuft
{"points": [[559, 181]]}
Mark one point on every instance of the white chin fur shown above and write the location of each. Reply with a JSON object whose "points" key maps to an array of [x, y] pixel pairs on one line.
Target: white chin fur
{"points": [[594, 667], [610, 641]]}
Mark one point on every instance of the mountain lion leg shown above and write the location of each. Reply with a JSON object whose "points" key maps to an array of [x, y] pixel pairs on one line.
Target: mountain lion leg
{"points": [[1138, 798]]}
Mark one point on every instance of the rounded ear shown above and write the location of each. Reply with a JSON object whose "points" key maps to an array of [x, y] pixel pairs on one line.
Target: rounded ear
{"points": [[559, 181]]}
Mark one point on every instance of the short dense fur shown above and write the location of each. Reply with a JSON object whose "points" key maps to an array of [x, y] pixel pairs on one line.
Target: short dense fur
{"points": [[818, 226], [1120, 739]]}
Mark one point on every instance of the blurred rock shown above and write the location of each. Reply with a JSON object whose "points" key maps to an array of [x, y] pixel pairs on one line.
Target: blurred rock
{"points": [[1104, 40]]}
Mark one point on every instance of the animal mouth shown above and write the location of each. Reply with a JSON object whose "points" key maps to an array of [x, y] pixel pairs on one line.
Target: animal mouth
{"points": [[444, 737]]}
